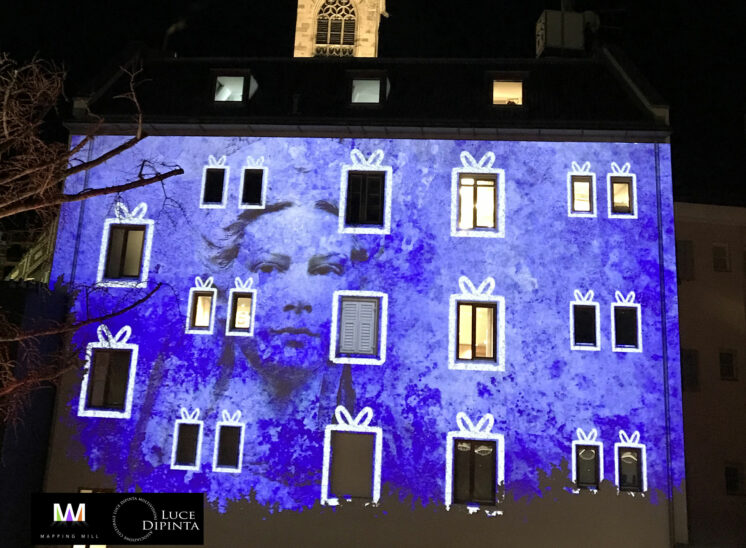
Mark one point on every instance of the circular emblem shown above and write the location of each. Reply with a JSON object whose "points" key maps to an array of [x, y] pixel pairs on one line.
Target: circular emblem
{"points": [[128, 517]]}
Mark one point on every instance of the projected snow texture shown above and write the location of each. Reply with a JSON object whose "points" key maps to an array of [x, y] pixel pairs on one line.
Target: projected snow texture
{"points": [[282, 380]]}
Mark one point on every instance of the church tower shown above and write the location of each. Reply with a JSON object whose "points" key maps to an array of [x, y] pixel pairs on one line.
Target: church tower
{"points": [[338, 28]]}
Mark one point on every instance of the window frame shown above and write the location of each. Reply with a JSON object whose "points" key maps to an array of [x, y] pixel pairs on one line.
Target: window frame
{"points": [[576, 444], [192, 419], [384, 87], [265, 177], [685, 259], [134, 282], [610, 194], [474, 307], [112, 343], [728, 265], [474, 207], [738, 467], [687, 383], [614, 346], [233, 295], [476, 171], [571, 175], [226, 178], [732, 352], [507, 77], [249, 87], [337, 298], [643, 463], [234, 422], [194, 292], [477, 364], [580, 300], [370, 165]]}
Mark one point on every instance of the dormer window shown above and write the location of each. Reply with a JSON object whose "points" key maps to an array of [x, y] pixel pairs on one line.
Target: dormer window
{"points": [[506, 92], [335, 29], [366, 91], [229, 89]]}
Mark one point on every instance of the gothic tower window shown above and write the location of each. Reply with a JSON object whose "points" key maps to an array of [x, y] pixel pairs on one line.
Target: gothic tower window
{"points": [[335, 29]]}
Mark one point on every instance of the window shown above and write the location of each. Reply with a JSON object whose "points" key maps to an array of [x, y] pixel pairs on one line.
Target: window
{"points": [[108, 379], [242, 306], [201, 307], [587, 466], [359, 327], [734, 479], [582, 200], [684, 260], [252, 188], [125, 251], [229, 89], [689, 369], [477, 201], [367, 91], [187, 443], [228, 444], [507, 93], [720, 258], [201, 310], [727, 360], [622, 192], [585, 333], [351, 470], [214, 187], [629, 468], [626, 329], [474, 465], [335, 29], [476, 331], [365, 198]]}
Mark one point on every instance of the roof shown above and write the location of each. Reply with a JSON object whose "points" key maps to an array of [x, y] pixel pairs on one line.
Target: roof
{"points": [[588, 98]]}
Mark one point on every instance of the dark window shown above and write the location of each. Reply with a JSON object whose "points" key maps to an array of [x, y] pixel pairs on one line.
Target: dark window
{"points": [[584, 325], [241, 312], [477, 196], [727, 360], [587, 466], [720, 258], [358, 326], [625, 326], [734, 479], [214, 185], [630, 469], [365, 198], [582, 193], [108, 379], [689, 369], [476, 331], [474, 465], [251, 193], [201, 313], [124, 254], [351, 471], [685, 260], [229, 442], [186, 444], [622, 199]]}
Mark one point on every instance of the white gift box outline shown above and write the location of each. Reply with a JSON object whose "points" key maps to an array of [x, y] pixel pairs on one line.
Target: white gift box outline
{"points": [[126, 218], [254, 165], [366, 165], [622, 171], [626, 302], [482, 294], [212, 163], [482, 431], [585, 300], [232, 421], [241, 288], [188, 418], [383, 313], [202, 287], [484, 167], [582, 170], [588, 439], [109, 342], [631, 442], [357, 425]]}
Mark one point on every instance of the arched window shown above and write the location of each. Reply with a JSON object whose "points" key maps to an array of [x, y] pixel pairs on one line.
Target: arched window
{"points": [[335, 28]]}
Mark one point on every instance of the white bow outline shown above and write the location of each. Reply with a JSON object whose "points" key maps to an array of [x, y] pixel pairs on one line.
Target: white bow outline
{"points": [[590, 436], [484, 426], [124, 214], [248, 284], [206, 284], [633, 439], [105, 336], [467, 288], [212, 162], [374, 160], [577, 168], [187, 416], [468, 161], [254, 162], [344, 418], [587, 298], [629, 299], [231, 419], [621, 170]]}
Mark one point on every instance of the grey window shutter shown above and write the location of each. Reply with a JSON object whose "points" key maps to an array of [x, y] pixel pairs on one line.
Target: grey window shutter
{"points": [[348, 337], [368, 320]]}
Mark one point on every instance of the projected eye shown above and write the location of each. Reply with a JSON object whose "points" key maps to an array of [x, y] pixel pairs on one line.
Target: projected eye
{"points": [[587, 454], [269, 263], [463, 446], [325, 269], [483, 450]]}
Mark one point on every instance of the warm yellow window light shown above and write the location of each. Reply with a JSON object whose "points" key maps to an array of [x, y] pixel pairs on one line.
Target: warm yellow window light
{"points": [[464, 331], [243, 313], [507, 93], [202, 311], [622, 199], [484, 329], [581, 196], [476, 203]]}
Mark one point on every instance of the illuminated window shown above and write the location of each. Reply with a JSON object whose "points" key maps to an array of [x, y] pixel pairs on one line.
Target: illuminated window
{"points": [[477, 201], [252, 188], [241, 315], [213, 187], [684, 260], [630, 466], [587, 464], [727, 360], [124, 252], [474, 466], [201, 309], [358, 326], [689, 369], [720, 258], [351, 467], [229, 89], [582, 200], [365, 200], [622, 198], [228, 448], [366, 90], [476, 331], [507, 92], [734, 479], [335, 28], [626, 327], [585, 326], [108, 380]]}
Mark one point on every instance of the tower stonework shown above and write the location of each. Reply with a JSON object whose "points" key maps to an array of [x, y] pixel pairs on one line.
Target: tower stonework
{"points": [[338, 28]]}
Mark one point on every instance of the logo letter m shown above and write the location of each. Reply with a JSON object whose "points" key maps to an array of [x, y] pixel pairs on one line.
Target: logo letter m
{"points": [[69, 515]]}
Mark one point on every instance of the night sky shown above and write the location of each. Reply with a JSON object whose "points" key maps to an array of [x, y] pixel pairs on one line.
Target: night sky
{"points": [[694, 53]]}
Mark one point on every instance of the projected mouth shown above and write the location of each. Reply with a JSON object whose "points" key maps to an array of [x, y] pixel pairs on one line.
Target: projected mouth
{"points": [[294, 331]]}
